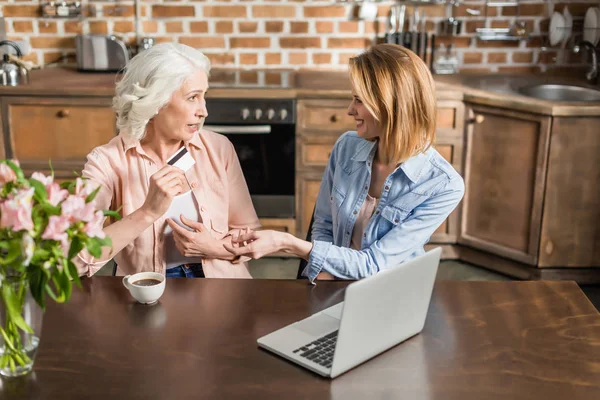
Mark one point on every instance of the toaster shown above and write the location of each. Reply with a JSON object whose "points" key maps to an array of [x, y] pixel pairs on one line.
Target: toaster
{"points": [[101, 53]]}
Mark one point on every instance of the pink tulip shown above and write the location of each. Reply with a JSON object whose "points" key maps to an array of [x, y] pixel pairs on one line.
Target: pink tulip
{"points": [[6, 175], [46, 180], [56, 228], [84, 187], [94, 227], [16, 215], [56, 194]]}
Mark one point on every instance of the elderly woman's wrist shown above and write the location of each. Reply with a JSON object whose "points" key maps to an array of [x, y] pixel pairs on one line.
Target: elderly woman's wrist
{"points": [[146, 215]]}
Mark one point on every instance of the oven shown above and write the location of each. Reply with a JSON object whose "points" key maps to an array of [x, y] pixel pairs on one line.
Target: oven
{"points": [[263, 135]]}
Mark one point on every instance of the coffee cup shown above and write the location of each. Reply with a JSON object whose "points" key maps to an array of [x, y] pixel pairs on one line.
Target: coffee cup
{"points": [[145, 287]]}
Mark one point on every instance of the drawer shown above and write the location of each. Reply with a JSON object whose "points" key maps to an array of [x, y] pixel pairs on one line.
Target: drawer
{"points": [[325, 115], [314, 151], [39, 132], [446, 117]]}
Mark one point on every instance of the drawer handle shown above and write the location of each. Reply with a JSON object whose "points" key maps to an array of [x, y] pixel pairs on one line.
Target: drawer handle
{"points": [[63, 113], [477, 120], [334, 118]]}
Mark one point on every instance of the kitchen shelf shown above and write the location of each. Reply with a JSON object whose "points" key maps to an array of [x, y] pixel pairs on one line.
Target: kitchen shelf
{"points": [[503, 4], [409, 2], [498, 34]]}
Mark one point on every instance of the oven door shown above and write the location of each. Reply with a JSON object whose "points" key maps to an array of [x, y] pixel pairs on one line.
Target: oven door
{"points": [[266, 154]]}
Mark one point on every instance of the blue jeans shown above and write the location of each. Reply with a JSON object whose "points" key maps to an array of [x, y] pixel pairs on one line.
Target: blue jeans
{"points": [[185, 271]]}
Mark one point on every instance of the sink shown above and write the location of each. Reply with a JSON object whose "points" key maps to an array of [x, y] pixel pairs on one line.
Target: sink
{"points": [[557, 92]]}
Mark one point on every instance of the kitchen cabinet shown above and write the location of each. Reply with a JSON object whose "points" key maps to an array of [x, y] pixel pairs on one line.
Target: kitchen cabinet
{"points": [[531, 207], [570, 235], [505, 168], [62, 129]]}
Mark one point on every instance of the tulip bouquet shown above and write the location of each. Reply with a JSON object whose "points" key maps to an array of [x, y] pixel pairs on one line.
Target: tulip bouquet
{"points": [[44, 225]]}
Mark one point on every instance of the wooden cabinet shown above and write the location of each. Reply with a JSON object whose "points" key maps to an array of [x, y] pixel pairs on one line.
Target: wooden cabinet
{"points": [[570, 234], [505, 168], [38, 130]]}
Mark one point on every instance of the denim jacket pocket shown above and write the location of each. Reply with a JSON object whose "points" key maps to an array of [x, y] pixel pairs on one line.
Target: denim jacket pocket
{"points": [[337, 197], [394, 215]]}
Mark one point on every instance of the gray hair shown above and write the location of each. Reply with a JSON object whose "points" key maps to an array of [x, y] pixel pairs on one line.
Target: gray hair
{"points": [[150, 80]]}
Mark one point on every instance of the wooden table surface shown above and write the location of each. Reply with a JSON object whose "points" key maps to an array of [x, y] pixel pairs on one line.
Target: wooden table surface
{"points": [[482, 340]]}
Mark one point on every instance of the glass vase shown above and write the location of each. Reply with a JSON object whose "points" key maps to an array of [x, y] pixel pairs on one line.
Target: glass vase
{"points": [[18, 346]]}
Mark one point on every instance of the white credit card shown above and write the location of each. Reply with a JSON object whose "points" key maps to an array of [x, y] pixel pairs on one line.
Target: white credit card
{"points": [[181, 159]]}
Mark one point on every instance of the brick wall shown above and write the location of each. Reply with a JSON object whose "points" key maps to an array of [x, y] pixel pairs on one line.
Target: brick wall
{"points": [[288, 33]]}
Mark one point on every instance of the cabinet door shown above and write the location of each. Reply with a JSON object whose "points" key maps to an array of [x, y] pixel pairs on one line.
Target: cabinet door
{"points": [[60, 130], [505, 166], [571, 222], [449, 143], [307, 190]]}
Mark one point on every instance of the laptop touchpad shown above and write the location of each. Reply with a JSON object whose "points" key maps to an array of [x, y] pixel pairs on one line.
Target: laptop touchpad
{"points": [[318, 325]]}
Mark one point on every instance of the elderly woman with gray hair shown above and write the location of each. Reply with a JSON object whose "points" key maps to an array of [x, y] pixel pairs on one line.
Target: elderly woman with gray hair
{"points": [[160, 105]]}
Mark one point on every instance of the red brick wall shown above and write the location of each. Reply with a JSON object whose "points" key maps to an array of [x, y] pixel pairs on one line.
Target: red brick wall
{"points": [[289, 33]]}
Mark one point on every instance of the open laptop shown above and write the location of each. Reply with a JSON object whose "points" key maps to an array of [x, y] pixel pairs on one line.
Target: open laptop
{"points": [[377, 313]]}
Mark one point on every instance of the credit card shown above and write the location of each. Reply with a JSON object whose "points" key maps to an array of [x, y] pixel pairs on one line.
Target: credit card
{"points": [[181, 159]]}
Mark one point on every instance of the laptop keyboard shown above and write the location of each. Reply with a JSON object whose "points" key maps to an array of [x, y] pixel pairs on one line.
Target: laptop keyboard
{"points": [[321, 350]]}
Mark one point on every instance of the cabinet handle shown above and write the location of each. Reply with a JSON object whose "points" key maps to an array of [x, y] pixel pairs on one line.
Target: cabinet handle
{"points": [[334, 118], [477, 120], [63, 113]]}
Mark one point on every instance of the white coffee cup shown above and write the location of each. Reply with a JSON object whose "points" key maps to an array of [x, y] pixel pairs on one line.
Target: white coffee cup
{"points": [[145, 294]]}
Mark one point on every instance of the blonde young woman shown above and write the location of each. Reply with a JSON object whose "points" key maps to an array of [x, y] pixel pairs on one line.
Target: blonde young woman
{"points": [[160, 105], [385, 189]]}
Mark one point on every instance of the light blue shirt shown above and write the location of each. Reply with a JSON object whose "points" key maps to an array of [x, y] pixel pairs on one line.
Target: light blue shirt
{"points": [[416, 198]]}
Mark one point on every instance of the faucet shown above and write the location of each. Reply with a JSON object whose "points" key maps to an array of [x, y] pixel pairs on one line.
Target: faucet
{"points": [[593, 72]]}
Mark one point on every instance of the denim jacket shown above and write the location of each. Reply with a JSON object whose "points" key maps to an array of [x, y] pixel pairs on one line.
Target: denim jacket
{"points": [[416, 198]]}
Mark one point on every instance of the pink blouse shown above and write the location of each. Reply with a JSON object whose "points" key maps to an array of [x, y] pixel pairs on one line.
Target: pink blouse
{"points": [[123, 169], [362, 219]]}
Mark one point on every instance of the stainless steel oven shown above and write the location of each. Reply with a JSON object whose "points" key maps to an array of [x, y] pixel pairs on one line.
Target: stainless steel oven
{"points": [[263, 134]]}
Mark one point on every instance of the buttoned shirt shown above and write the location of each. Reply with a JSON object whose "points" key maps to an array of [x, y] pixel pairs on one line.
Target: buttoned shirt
{"points": [[415, 200], [123, 169]]}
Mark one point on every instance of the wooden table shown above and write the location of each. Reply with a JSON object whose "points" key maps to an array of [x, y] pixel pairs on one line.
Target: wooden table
{"points": [[482, 340]]}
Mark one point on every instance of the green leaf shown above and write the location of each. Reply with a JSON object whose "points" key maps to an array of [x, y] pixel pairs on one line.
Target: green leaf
{"points": [[65, 284], [60, 295], [50, 209], [40, 256], [50, 292], [37, 282], [94, 247], [40, 193], [14, 251], [92, 195], [75, 248], [74, 273], [13, 307], [110, 213]]}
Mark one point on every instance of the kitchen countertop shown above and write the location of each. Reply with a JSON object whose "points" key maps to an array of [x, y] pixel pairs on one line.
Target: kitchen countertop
{"points": [[492, 90]]}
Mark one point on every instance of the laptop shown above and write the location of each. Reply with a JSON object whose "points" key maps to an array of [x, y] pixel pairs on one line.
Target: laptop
{"points": [[347, 334]]}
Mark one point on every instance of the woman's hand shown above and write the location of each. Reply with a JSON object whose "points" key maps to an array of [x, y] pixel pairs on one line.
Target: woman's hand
{"points": [[196, 243], [165, 184], [256, 244]]}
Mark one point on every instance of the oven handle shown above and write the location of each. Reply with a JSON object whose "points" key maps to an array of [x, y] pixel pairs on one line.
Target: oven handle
{"points": [[239, 130]]}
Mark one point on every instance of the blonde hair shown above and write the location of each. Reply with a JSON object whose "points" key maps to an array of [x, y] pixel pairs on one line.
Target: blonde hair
{"points": [[150, 79], [397, 88]]}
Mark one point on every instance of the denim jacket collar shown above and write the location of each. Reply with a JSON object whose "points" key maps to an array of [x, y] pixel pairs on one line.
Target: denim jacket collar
{"points": [[363, 153], [413, 167]]}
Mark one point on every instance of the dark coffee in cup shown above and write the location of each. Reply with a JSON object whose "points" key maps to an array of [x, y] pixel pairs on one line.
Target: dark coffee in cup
{"points": [[146, 282]]}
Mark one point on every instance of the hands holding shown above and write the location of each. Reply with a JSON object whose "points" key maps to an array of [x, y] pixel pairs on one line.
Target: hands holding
{"points": [[195, 243], [165, 184], [257, 244]]}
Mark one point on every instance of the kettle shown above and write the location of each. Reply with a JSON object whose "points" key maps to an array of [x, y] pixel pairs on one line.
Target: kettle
{"points": [[12, 73]]}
